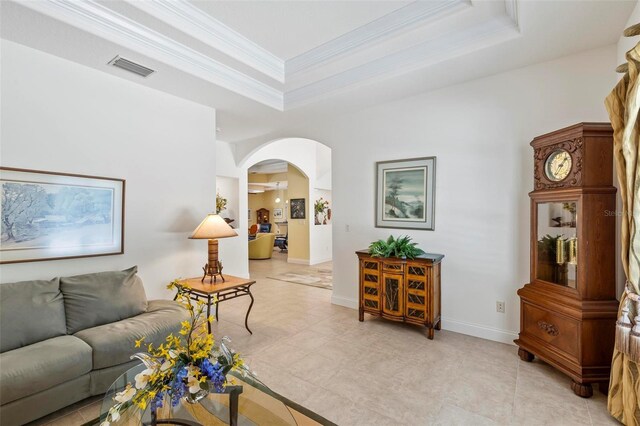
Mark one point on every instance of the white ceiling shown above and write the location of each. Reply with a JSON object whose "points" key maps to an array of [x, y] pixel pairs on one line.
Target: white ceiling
{"points": [[271, 24], [354, 54], [269, 167]]}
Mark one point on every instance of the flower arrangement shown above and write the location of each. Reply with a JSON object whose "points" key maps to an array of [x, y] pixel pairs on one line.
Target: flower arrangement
{"points": [[321, 205], [187, 365], [221, 203]]}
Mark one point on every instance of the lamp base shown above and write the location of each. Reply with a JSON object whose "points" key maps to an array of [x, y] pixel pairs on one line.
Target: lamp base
{"points": [[212, 271]]}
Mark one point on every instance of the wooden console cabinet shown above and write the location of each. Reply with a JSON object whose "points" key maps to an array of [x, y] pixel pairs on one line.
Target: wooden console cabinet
{"points": [[400, 289]]}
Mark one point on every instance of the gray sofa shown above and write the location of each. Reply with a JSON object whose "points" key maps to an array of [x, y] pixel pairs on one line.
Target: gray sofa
{"points": [[67, 339]]}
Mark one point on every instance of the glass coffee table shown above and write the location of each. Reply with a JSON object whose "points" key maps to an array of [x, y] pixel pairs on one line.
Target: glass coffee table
{"points": [[256, 404]]}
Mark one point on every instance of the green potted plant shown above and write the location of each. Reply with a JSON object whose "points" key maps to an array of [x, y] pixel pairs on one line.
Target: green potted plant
{"points": [[320, 207], [400, 247], [221, 203]]}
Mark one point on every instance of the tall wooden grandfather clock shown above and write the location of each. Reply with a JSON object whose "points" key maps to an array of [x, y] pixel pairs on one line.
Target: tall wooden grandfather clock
{"points": [[568, 310]]}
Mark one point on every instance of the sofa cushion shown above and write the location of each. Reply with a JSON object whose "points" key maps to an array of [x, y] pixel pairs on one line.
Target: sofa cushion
{"points": [[30, 311], [103, 297], [43, 365], [114, 343]]}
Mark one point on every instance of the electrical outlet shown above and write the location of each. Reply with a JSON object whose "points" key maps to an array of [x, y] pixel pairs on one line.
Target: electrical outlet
{"points": [[347, 228], [500, 307]]}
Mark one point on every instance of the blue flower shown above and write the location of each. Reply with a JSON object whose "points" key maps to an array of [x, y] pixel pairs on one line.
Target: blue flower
{"points": [[178, 386], [214, 374], [157, 401]]}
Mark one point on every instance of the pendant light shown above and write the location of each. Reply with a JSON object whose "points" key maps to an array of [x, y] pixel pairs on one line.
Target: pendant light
{"points": [[278, 192]]}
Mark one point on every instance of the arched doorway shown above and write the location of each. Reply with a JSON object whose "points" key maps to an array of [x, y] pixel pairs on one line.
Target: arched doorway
{"points": [[297, 173]]}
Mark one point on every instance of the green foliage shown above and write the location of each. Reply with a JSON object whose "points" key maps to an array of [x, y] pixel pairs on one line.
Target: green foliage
{"points": [[221, 203], [321, 205], [547, 247], [401, 247]]}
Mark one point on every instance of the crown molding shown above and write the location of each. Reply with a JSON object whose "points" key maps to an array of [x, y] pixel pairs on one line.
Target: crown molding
{"points": [[94, 18], [511, 8], [385, 27], [193, 21], [448, 46]]}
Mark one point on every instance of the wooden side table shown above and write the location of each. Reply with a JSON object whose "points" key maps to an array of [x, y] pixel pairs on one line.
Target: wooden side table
{"points": [[230, 289]]}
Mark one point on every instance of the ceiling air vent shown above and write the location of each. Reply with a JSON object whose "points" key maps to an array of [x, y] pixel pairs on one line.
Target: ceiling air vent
{"points": [[126, 64]]}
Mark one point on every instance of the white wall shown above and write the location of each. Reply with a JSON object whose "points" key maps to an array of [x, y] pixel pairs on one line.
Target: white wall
{"points": [[627, 43], [480, 133], [233, 251], [64, 117], [322, 235], [227, 187]]}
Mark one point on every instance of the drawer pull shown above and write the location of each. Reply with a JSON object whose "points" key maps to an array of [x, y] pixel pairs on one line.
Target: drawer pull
{"points": [[550, 329]]}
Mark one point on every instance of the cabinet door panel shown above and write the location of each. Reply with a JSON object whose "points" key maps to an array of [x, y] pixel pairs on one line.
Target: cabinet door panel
{"points": [[370, 282], [393, 294]]}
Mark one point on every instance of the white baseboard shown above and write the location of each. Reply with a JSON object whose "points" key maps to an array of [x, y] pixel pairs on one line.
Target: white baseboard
{"points": [[298, 261], [482, 331], [470, 329], [343, 301], [321, 261]]}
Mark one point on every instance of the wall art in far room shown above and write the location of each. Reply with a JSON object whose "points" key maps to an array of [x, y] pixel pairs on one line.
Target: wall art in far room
{"points": [[298, 208]]}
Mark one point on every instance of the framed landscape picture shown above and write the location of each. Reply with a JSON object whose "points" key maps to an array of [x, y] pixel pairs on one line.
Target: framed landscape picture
{"points": [[405, 193], [298, 208], [47, 215]]}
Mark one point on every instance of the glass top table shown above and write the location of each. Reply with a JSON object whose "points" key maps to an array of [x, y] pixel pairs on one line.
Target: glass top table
{"points": [[257, 405]]}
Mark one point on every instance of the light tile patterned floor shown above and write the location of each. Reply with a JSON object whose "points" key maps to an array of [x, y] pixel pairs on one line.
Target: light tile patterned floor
{"points": [[382, 373]]}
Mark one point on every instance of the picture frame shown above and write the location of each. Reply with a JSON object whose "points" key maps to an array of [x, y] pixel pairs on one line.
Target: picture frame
{"points": [[277, 214], [52, 215], [298, 208], [405, 193]]}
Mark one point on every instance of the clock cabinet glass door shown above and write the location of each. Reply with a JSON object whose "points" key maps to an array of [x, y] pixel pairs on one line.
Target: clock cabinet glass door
{"points": [[557, 243]]}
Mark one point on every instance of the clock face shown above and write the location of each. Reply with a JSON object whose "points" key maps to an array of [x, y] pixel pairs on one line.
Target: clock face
{"points": [[558, 165]]}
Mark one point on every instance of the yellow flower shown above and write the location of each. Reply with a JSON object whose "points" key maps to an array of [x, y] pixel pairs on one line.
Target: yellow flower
{"points": [[139, 342]]}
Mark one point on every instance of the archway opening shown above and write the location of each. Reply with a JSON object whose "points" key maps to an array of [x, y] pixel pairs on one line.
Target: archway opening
{"points": [[289, 211]]}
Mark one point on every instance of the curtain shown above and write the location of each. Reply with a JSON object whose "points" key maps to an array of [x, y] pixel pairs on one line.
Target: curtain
{"points": [[623, 105]]}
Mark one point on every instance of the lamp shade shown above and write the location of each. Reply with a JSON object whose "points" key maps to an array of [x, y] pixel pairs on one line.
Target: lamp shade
{"points": [[212, 227]]}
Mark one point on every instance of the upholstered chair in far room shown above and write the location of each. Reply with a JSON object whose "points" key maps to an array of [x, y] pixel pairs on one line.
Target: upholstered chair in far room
{"points": [[262, 246]]}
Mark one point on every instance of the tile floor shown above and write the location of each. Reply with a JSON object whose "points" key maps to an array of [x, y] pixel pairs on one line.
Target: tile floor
{"points": [[382, 373]]}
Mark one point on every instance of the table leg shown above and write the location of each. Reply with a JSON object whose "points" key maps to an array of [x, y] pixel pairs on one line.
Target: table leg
{"points": [[209, 313], [246, 319], [234, 393], [217, 303]]}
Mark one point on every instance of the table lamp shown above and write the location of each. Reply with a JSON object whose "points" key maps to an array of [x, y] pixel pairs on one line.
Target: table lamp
{"points": [[213, 227]]}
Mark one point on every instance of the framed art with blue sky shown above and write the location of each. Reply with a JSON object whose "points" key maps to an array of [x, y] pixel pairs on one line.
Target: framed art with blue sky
{"points": [[405, 193]]}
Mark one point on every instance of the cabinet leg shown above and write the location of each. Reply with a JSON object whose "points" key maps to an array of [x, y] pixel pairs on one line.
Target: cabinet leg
{"points": [[431, 333], [361, 314], [438, 325], [583, 390], [525, 355], [603, 387]]}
